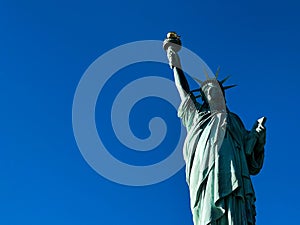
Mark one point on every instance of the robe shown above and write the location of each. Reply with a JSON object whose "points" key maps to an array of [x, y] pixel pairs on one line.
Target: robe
{"points": [[220, 156]]}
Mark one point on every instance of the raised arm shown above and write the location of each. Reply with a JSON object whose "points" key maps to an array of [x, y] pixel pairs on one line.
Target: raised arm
{"points": [[172, 45], [179, 77]]}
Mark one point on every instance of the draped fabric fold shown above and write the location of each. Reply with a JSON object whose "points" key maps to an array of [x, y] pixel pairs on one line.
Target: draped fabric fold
{"points": [[220, 156]]}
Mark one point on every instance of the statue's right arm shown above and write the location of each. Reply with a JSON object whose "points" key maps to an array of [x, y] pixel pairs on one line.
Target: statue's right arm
{"points": [[181, 82], [179, 77]]}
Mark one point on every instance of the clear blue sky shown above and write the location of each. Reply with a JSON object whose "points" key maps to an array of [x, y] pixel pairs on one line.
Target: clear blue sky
{"points": [[46, 46]]}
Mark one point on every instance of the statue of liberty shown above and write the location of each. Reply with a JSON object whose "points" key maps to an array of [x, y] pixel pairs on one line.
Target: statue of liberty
{"points": [[220, 154]]}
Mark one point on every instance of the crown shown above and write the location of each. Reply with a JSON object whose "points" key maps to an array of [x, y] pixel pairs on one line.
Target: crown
{"points": [[213, 80]]}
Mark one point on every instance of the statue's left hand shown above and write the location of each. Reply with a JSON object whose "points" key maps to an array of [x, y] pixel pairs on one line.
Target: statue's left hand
{"points": [[260, 132]]}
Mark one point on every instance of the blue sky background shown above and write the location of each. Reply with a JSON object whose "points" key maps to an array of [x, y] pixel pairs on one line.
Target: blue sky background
{"points": [[45, 47]]}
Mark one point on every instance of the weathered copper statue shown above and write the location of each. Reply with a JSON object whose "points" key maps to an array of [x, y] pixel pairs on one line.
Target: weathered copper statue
{"points": [[220, 154]]}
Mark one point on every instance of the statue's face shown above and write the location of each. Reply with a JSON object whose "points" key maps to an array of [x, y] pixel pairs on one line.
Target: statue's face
{"points": [[213, 92]]}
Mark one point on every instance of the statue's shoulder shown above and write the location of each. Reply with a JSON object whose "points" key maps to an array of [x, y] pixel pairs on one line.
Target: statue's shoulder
{"points": [[236, 118]]}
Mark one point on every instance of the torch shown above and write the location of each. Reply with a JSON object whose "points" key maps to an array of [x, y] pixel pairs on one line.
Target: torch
{"points": [[172, 44]]}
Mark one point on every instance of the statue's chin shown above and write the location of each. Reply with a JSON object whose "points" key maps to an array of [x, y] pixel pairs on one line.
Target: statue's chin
{"points": [[217, 104]]}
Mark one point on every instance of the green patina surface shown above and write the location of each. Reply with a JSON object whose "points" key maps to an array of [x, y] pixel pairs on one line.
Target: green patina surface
{"points": [[220, 156]]}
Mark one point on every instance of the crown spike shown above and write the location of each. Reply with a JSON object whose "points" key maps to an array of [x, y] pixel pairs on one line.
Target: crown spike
{"points": [[206, 74], [230, 86], [195, 90], [199, 81], [225, 79], [217, 73]]}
